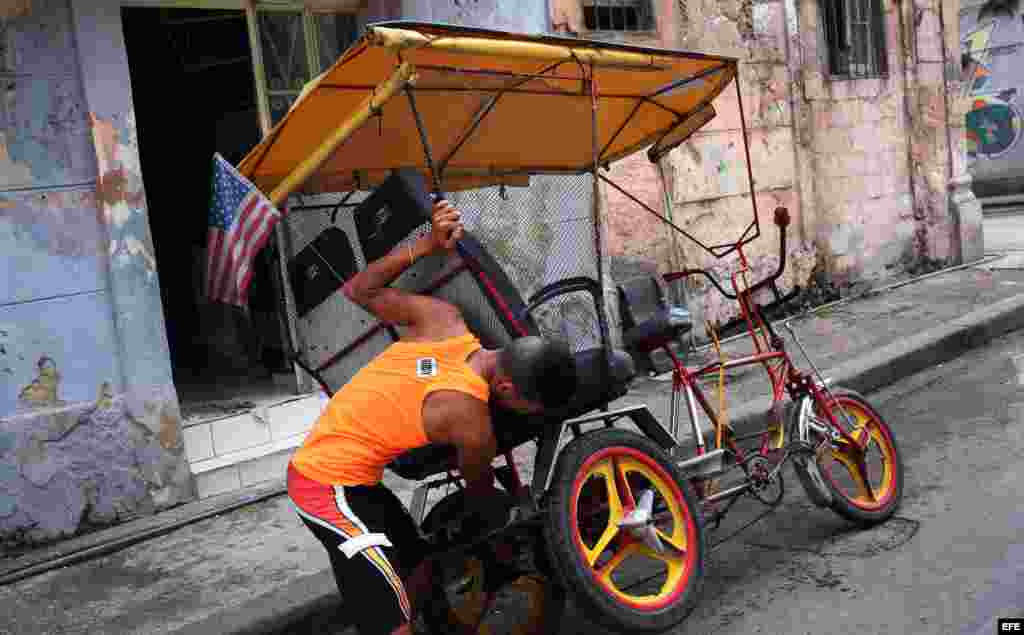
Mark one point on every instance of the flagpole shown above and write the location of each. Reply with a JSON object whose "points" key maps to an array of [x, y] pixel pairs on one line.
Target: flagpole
{"points": [[403, 76], [289, 332]]}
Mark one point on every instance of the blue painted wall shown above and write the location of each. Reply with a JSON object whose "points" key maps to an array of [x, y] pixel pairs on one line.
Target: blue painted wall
{"points": [[50, 235], [89, 424]]}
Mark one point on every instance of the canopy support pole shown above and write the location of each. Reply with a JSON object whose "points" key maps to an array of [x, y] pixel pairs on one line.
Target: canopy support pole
{"points": [[645, 206], [402, 77], [280, 282], [424, 140], [402, 39], [485, 110], [602, 315]]}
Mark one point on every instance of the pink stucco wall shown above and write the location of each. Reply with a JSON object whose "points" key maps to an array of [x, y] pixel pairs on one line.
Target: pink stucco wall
{"points": [[862, 165]]}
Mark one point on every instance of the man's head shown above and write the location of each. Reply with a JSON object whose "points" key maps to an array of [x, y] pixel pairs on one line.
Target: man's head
{"points": [[534, 374]]}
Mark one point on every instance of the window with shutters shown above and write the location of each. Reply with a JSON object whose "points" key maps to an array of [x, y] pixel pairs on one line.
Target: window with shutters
{"points": [[854, 33], [622, 16]]}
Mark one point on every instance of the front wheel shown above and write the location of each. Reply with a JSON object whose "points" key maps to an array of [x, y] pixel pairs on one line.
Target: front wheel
{"points": [[624, 533], [865, 478]]}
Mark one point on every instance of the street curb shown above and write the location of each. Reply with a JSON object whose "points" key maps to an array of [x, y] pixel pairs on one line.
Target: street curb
{"points": [[868, 373], [108, 541]]}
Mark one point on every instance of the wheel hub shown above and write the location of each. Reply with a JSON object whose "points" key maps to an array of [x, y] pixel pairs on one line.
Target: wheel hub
{"points": [[639, 522]]}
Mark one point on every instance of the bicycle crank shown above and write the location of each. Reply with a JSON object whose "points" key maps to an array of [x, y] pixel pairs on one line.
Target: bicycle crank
{"points": [[765, 481]]}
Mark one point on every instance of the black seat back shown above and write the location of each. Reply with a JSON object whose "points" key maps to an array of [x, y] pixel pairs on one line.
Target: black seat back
{"points": [[641, 300]]}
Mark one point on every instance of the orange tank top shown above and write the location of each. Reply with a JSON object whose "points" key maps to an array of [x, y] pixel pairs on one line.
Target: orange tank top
{"points": [[377, 415]]}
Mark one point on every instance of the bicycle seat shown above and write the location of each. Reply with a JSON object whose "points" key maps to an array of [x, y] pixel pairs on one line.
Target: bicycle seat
{"points": [[594, 390], [649, 322]]}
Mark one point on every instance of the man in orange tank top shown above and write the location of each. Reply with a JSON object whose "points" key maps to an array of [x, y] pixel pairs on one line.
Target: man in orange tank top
{"points": [[432, 386]]}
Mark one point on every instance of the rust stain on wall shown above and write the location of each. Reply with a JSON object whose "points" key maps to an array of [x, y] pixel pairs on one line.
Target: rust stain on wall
{"points": [[42, 391], [170, 426], [115, 184], [10, 9], [120, 192]]}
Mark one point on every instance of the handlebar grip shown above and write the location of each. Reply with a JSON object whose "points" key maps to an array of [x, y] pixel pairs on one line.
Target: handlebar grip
{"points": [[782, 217]]}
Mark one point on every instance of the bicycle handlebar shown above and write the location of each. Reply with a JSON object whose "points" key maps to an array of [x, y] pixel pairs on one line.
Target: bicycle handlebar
{"points": [[782, 220]]}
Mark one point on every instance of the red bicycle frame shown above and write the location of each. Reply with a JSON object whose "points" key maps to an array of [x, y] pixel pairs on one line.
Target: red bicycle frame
{"points": [[768, 349]]}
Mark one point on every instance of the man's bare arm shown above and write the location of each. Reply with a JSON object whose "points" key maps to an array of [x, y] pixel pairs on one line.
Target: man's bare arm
{"points": [[463, 421], [425, 316]]}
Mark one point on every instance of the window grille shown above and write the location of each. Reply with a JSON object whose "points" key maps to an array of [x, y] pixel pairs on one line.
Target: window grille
{"points": [[618, 15], [855, 36]]}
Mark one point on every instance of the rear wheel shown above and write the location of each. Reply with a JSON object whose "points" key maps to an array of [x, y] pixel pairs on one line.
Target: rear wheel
{"points": [[624, 533], [865, 478], [476, 593]]}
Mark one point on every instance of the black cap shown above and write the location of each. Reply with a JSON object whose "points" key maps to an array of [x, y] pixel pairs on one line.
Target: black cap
{"points": [[542, 370]]}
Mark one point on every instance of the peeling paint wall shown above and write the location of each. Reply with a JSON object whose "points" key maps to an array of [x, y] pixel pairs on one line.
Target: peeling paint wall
{"points": [[864, 166], [89, 431], [854, 138], [706, 177]]}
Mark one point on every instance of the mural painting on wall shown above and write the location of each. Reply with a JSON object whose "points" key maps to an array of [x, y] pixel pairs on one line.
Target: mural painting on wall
{"points": [[993, 125]]}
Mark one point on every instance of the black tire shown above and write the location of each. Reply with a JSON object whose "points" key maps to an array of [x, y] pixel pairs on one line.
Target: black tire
{"points": [[595, 601], [438, 616], [842, 503]]}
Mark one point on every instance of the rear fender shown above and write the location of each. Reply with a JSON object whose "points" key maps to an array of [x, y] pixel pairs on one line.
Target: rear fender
{"points": [[548, 443]]}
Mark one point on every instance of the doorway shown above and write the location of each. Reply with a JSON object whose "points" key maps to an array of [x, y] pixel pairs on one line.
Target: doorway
{"points": [[194, 95]]}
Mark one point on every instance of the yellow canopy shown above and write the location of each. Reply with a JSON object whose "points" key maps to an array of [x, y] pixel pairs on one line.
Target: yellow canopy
{"points": [[494, 108]]}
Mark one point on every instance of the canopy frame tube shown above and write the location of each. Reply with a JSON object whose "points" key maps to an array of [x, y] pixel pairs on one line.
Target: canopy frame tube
{"points": [[403, 76], [397, 40], [480, 115], [602, 319]]}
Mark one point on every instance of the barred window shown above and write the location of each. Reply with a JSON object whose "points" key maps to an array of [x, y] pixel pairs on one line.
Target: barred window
{"points": [[855, 36], [618, 15]]}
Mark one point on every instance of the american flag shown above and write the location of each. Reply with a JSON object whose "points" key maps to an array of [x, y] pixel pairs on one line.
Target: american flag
{"points": [[241, 220]]}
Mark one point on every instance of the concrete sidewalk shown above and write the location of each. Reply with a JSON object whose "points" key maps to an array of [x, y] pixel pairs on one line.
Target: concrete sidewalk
{"points": [[249, 566]]}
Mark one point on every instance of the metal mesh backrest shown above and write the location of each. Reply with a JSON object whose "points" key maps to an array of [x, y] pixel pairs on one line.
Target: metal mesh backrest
{"points": [[518, 241]]}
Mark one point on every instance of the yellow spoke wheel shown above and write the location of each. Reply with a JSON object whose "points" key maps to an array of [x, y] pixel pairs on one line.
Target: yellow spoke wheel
{"points": [[865, 476], [624, 532]]}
